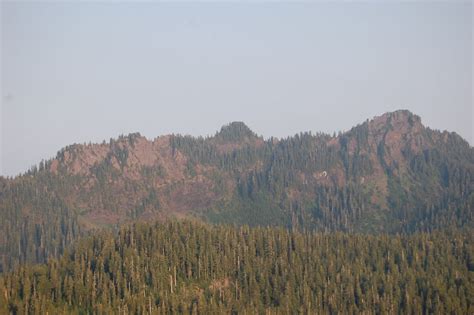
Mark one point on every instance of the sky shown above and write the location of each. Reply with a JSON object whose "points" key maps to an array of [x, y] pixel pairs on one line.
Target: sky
{"points": [[74, 72]]}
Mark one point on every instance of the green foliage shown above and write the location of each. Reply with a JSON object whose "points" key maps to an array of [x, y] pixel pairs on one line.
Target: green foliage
{"points": [[235, 131], [255, 210], [184, 267], [34, 224]]}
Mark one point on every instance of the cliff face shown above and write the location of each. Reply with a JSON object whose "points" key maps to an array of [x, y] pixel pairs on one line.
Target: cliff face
{"points": [[389, 174], [131, 178]]}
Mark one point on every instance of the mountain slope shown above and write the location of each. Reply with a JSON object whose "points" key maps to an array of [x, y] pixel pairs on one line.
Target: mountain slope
{"points": [[390, 174]]}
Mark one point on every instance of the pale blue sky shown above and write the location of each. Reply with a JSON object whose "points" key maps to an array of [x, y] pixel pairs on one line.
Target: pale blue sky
{"points": [[79, 72]]}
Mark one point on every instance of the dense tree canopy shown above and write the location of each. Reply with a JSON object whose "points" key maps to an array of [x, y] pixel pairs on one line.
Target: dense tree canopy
{"points": [[185, 267]]}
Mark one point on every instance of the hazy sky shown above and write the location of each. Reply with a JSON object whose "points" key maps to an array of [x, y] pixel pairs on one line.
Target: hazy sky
{"points": [[79, 72]]}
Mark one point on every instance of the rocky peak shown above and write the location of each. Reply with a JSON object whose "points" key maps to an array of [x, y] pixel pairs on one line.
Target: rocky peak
{"points": [[401, 121], [131, 151], [396, 129]]}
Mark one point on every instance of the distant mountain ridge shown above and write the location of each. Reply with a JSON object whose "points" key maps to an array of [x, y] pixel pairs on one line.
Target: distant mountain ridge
{"points": [[389, 174]]}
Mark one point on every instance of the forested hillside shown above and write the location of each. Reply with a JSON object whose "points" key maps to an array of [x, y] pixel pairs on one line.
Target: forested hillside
{"points": [[390, 174], [190, 268]]}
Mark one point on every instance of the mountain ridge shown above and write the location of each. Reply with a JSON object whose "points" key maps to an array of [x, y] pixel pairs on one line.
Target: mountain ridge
{"points": [[389, 174], [401, 118]]}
